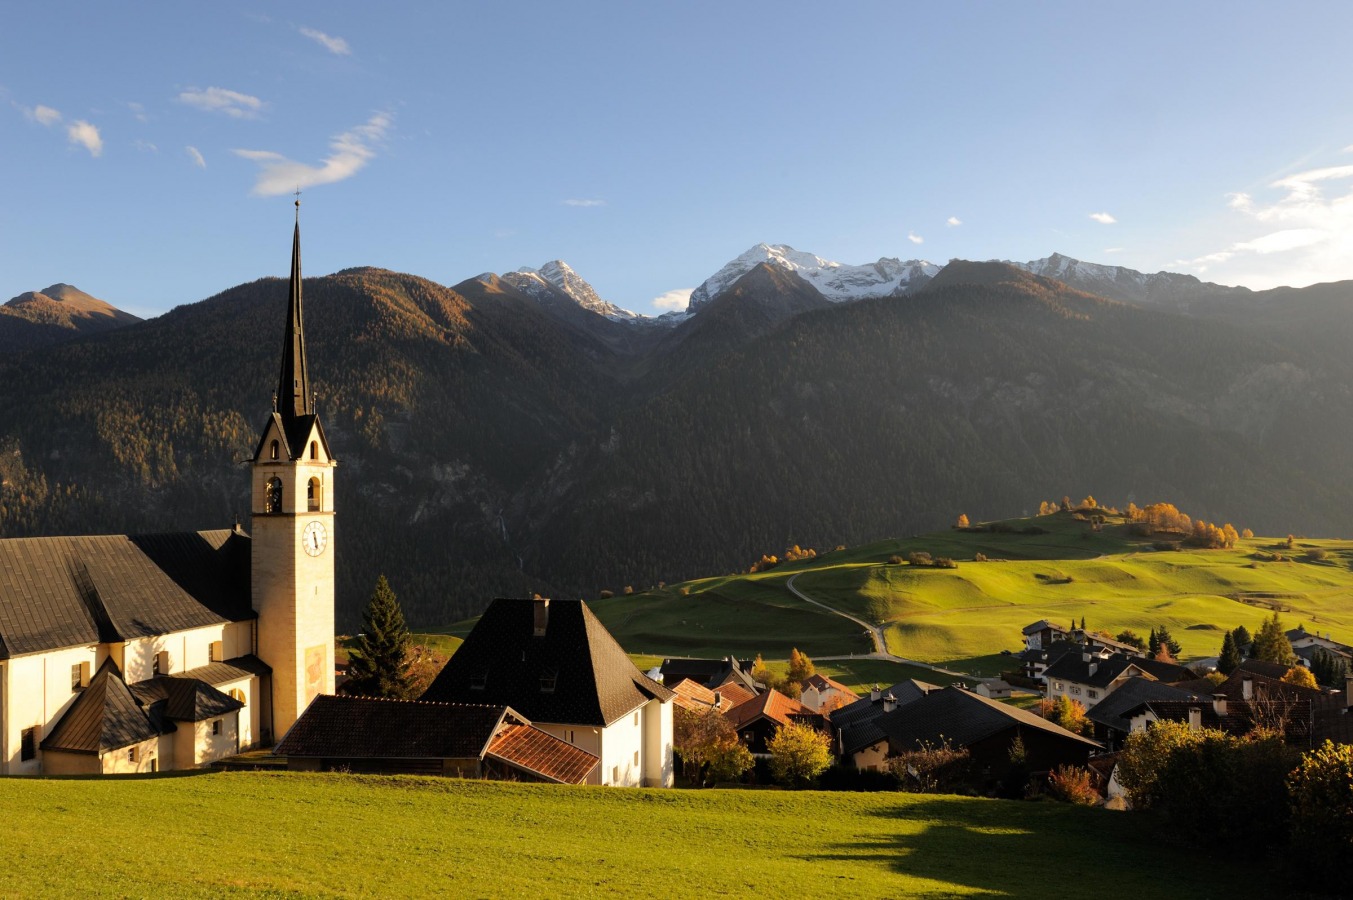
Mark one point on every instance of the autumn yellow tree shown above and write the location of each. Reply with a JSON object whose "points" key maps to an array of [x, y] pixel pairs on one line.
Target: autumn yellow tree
{"points": [[1301, 677], [962, 521]]}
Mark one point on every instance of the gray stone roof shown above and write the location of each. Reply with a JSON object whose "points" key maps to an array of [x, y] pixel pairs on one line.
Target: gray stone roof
{"points": [[1109, 712], [66, 591], [104, 717], [962, 718]]}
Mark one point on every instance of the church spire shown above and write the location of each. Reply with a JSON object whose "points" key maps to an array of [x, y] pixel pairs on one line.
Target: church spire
{"points": [[294, 398]]}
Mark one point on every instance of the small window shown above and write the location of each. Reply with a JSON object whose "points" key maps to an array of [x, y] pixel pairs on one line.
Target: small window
{"points": [[215, 651], [28, 744], [215, 726], [1075, 689], [1093, 694], [131, 754], [547, 682], [272, 500], [615, 774], [237, 694], [1056, 685], [314, 449], [568, 735], [160, 665], [636, 720], [273, 449], [636, 759], [478, 680], [79, 676]]}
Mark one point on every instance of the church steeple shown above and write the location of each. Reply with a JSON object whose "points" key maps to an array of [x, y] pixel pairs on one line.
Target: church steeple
{"points": [[294, 398]]}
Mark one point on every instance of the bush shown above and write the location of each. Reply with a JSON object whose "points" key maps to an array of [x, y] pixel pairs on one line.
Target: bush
{"points": [[944, 562], [932, 769], [1165, 545], [980, 557], [798, 754], [894, 560], [920, 558], [1321, 791], [606, 595], [1317, 554], [1073, 784]]}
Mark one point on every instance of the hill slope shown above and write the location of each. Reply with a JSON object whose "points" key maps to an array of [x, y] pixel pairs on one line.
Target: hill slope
{"points": [[54, 314]]}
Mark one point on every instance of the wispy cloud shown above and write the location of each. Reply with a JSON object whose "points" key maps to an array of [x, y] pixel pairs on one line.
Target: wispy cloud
{"points": [[196, 156], [574, 201], [915, 238], [231, 103], [349, 154], [1103, 218], [673, 300], [1113, 250], [146, 147], [43, 115], [139, 112], [953, 221], [86, 135], [333, 44], [1303, 236]]}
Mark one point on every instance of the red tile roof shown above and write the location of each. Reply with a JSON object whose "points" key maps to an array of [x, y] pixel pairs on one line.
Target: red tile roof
{"points": [[772, 705], [541, 754], [697, 697], [732, 695], [823, 683]]}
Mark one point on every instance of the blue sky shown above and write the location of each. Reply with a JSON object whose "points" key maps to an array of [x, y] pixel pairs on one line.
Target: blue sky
{"points": [[147, 152]]}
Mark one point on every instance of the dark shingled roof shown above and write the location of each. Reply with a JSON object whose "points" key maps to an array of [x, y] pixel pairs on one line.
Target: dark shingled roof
{"points": [[372, 728], [184, 699], [864, 709], [961, 717], [104, 717], [219, 673], [1135, 691], [1075, 668], [341, 727], [575, 673], [65, 591], [1295, 717], [709, 672]]}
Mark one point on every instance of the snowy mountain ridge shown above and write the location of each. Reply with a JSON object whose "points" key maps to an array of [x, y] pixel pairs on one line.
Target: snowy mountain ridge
{"points": [[837, 282]]}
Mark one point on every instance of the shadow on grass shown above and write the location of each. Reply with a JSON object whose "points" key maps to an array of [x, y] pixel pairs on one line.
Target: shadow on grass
{"points": [[971, 847]]}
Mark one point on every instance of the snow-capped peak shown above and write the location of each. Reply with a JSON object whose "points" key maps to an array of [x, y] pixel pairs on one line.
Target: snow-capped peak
{"points": [[836, 282], [560, 275]]}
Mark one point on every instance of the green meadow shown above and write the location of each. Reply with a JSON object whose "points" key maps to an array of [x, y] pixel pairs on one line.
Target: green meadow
{"points": [[964, 617], [302, 835]]}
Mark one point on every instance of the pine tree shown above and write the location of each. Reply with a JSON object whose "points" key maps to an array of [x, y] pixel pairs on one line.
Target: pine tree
{"points": [[1271, 644], [1243, 638], [1082, 623], [377, 665], [1165, 639], [1229, 660], [1153, 644]]}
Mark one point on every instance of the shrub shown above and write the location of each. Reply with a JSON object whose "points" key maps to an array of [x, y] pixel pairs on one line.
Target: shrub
{"points": [[1321, 791], [798, 754], [944, 562], [1073, 784], [894, 560], [1317, 554], [932, 769], [1165, 545], [685, 592], [920, 558], [629, 590], [980, 557], [606, 595]]}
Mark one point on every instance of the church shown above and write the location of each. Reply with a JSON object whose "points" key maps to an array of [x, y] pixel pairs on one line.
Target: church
{"points": [[156, 652]]}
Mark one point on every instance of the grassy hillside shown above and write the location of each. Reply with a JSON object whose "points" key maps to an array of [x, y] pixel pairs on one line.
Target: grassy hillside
{"points": [[964, 617], [332, 835]]}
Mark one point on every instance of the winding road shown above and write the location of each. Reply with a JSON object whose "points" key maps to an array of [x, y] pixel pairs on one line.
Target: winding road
{"points": [[874, 631]]}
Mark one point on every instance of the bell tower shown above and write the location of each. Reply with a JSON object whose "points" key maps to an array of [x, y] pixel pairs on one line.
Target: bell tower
{"points": [[292, 525]]}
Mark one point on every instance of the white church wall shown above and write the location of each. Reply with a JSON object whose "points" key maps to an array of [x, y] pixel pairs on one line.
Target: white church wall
{"points": [[37, 691], [621, 754], [658, 736], [213, 739], [187, 649]]}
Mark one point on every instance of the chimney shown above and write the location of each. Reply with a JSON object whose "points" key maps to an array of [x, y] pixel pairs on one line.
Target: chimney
{"points": [[1219, 704], [1247, 688], [1195, 719], [1093, 667], [1085, 657], [874, 694], [889, 703], [718, 700], [542, 605]]}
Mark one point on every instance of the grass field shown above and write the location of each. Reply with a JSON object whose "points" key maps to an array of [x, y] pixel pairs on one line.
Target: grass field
{"points": [[358, 836], [962, 618]]}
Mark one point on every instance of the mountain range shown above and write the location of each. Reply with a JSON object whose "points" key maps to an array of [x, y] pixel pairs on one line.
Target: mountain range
{"points": [[518, 433]]}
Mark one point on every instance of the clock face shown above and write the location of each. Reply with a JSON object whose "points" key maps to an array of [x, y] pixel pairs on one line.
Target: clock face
{"points": [[314, 538]]}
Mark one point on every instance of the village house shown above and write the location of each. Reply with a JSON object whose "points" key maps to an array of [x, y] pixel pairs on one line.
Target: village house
{"points": [[1111, 724], [556, 665], [712, 673], [987, 729], [699, 699], [818, 691], [1041, 634], [757, 719], [1088, 677], [367, 734], [858, 740], [143, 653]]}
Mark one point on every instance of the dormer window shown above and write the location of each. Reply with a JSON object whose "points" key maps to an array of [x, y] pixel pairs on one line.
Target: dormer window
{"points": [[274, 449], [547, 681], [478, 681]]}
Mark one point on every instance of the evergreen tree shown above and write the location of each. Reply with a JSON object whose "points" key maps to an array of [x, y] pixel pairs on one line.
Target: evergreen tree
{"points": [[1271, 644], [1153, 645], [1243, 639], [1166, 640], [1082, 623], [1229, 660], [377, 665]]}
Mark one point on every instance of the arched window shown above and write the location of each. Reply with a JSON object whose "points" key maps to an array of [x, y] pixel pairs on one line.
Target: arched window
{"points": [[272, 450], [237, 694], [272, 501], [314, 449], [313, 494]]}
